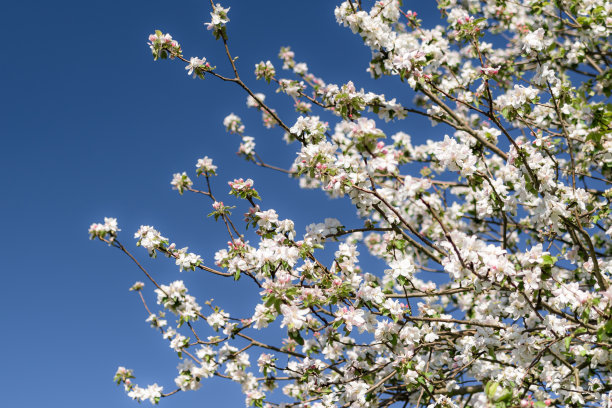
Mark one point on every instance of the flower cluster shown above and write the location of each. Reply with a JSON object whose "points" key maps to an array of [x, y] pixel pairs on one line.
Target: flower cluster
{"points": [[205, 166], [109, 228], [163, 46], [265, 70], [150, 239], [243, 189], [174, 298], [309, 128], [220, 210], [517, 97], [153, 393], [137, 286], [253, 103], [218, 20], [233, 124], [291, 87], [180, 182], [536, 41], [191, 374], [186, 260], [197, 67]]}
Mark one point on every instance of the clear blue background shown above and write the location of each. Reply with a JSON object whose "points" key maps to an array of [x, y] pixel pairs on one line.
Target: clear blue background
{"points": [[92, 127]]}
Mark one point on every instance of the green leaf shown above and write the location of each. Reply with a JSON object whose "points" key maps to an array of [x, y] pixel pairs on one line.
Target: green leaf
{"points": [[295, 335], [507, 395], [491, 388], [608, 327]]}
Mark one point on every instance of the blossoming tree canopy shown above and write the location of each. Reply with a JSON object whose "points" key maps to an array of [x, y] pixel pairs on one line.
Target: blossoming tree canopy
{"points": [[511, 208]]}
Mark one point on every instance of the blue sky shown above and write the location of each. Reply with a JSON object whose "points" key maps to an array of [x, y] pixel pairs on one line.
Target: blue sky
{"points": [[92, 127]]}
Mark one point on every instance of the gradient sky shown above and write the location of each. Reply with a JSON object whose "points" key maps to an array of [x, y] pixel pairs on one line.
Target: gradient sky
{"points": [[92, 127]]}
